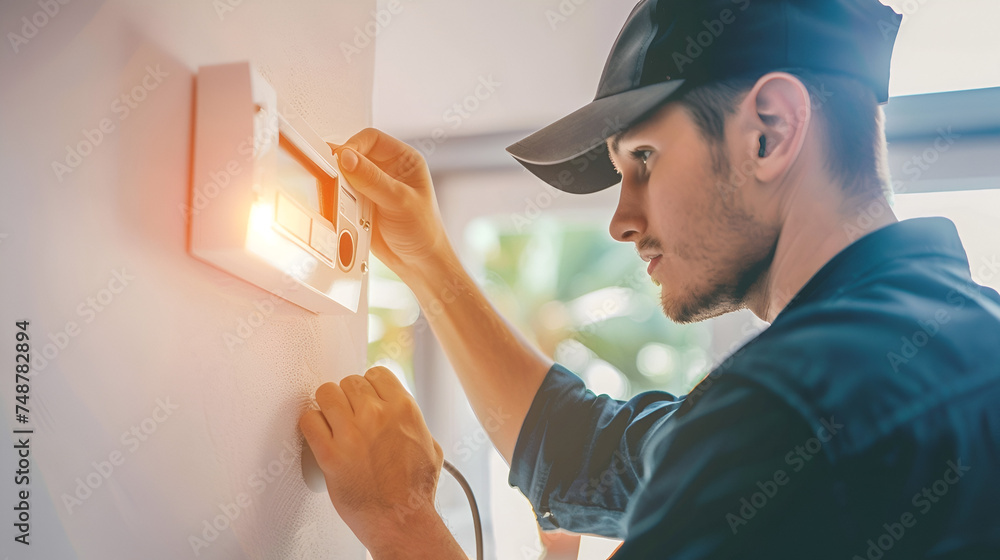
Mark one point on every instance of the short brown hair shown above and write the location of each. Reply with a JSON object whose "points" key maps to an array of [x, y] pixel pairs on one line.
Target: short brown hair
{"points": [[848, 111]]}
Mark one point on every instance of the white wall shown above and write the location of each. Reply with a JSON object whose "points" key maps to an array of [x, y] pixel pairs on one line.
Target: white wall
{"points": [[214, 418]]}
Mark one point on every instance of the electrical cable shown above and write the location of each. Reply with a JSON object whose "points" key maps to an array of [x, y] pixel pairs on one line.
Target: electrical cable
{"points": [[472, 504]]}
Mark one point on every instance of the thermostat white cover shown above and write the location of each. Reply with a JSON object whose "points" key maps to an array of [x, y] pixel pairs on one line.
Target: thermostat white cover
{"points": [[268, 203]]}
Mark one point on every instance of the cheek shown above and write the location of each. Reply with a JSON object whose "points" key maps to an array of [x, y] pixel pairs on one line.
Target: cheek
{"points": [[680, 210]]}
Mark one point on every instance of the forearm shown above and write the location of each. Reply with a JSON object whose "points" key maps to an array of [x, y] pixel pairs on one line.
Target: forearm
{"points": [[423, 538], [498, 368]]}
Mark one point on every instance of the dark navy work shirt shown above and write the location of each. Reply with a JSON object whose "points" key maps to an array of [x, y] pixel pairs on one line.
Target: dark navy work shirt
{"points": [[864, 423]]}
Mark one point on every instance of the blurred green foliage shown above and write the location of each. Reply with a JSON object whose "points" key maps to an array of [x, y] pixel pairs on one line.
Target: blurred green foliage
{"points": [[584, 298]]}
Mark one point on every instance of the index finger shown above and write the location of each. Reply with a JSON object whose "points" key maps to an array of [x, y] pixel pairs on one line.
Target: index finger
{"points": [[386, 384], [374, 145], [395, 157]]}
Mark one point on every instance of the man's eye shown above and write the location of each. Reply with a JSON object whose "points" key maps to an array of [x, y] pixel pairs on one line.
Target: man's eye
{"points": [[641, 155]]}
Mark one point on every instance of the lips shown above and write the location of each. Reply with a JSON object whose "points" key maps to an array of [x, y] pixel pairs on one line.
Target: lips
{"points": [[652, 264]]}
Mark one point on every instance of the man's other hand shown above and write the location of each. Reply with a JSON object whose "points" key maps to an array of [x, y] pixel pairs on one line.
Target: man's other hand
{"points": [[380, 461]]}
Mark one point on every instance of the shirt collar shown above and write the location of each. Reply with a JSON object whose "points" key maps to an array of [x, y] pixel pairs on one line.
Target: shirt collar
{"points": [[916, 237]]}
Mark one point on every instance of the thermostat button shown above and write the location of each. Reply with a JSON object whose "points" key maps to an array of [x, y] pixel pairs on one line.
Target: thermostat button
{"points": [[324, 240], [293, 219]]}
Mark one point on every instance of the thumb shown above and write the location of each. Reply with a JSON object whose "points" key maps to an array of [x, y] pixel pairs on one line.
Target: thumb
{"points": [[369, 179]]}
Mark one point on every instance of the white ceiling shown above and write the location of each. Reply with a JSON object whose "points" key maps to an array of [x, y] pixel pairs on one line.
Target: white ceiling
{"points": [[432, 54]]}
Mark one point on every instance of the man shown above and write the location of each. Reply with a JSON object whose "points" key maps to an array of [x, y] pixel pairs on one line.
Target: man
{"points": [[748, 140]]}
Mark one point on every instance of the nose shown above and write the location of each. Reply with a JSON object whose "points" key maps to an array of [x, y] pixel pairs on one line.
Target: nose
{"points": [[629, 221]]}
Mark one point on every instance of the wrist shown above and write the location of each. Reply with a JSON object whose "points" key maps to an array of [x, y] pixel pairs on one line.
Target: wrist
{"points": [[434, 276], [416, 536]]}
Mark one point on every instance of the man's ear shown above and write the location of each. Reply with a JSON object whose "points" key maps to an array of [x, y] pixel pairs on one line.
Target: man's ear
{"points": [[778, 109]]}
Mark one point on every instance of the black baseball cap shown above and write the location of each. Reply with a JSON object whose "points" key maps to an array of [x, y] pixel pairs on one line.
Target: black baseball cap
{"points": [[668, 44]]}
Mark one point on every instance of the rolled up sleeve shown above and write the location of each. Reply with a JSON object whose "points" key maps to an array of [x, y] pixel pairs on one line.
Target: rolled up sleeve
{"points": [[579, 456]]}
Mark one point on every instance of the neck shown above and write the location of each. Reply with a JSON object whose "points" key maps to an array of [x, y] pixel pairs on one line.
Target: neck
{"points": [[816, 225]]}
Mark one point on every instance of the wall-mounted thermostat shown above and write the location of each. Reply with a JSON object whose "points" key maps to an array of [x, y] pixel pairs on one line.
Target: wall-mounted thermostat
{"points": [[268, 203]]}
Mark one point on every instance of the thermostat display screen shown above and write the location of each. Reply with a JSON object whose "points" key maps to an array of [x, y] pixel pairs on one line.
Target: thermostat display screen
{"points": [[296, 180]]}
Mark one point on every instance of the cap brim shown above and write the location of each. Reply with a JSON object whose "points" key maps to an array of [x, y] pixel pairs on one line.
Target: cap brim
{"points": [[571, 154]]}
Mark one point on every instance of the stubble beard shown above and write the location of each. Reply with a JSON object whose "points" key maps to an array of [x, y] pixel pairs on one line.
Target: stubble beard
{"points": [[735, 260]]}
